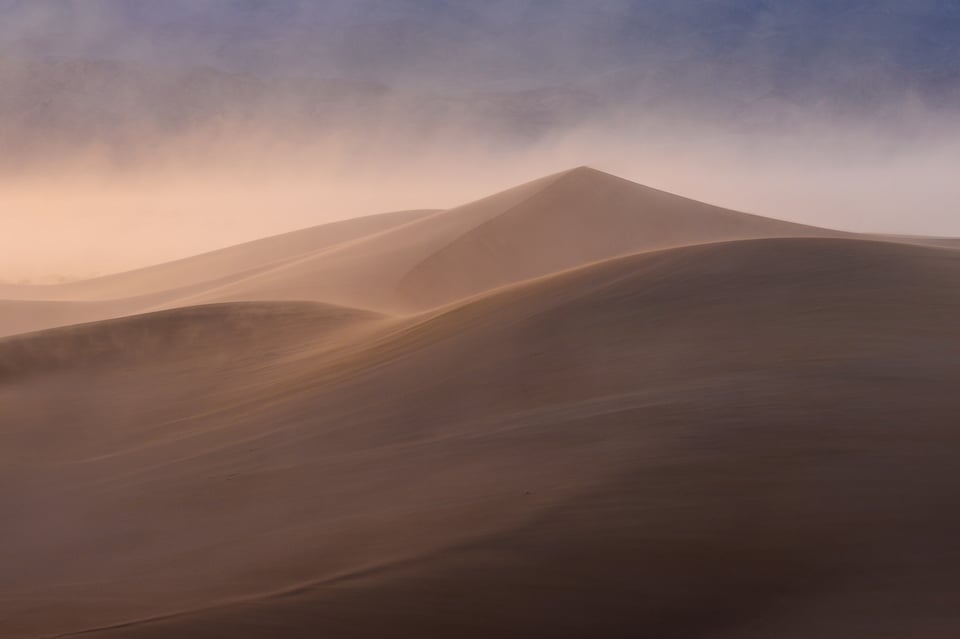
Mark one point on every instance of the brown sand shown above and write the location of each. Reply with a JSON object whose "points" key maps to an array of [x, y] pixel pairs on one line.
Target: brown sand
{"points": [[746, 439]]}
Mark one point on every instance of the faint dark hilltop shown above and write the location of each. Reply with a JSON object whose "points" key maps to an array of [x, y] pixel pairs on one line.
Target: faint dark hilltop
{"points": [[121, 72]]}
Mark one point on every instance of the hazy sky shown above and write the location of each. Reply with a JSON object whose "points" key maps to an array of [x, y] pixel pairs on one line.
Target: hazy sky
{"points": [[136, 132]]}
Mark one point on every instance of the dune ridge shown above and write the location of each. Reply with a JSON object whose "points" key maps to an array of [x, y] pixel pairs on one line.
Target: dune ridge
{"points": [[409, 261]]}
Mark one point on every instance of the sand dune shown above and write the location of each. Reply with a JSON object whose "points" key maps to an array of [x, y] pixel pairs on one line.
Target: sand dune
{"points": [[416, 260], [583, 216], [735, 439], [411, 261], [562, 221]]}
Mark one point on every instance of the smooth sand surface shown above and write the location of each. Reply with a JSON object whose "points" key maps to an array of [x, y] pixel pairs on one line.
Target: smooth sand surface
{"points": [[702, 436]]}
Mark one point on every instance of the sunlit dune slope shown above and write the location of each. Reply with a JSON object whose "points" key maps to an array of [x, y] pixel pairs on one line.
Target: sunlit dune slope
{"points": [[231, 262], [745, 439], [562, 221]]}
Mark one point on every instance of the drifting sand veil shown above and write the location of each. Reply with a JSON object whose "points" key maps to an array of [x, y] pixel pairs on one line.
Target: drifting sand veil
{"points": [[704, 424]]}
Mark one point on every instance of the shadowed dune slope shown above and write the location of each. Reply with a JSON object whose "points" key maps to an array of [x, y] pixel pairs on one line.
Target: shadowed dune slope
{"points": [[744, 440]]}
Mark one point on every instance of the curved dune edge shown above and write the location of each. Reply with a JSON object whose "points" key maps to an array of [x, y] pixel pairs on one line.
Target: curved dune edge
{"points": [[193, 332], [750, 437], [408, 262]]}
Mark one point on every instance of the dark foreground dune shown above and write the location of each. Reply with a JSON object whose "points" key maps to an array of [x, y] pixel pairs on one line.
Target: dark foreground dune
{"points": [[730, 439]]}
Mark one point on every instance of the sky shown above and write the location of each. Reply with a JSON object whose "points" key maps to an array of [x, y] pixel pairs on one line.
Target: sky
{"points": [[136, 132]]}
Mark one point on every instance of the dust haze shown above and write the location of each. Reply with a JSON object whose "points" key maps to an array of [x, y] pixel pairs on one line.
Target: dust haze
{"points": [[136, 135], [82, 218]]}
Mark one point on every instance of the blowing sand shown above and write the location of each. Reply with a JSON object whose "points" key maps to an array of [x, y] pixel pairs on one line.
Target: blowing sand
{"points": [[579, 408]]}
